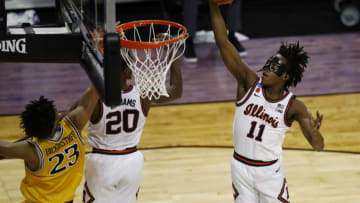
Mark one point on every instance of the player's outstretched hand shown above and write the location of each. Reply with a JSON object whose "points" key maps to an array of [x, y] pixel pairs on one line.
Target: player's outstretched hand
{"points": [[162, 37], [316, 123]]}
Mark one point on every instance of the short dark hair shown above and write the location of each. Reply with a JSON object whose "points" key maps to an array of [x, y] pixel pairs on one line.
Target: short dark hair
{"points": [[38, 118], [297, 60]]}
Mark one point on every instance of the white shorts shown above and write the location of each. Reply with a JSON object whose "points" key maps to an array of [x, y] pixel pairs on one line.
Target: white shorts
{"points": [[111, 178], [258, 184]]}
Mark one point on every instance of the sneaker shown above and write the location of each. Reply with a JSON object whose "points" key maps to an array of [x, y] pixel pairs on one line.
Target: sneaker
{"points": [[189, 54], [242, 51]]}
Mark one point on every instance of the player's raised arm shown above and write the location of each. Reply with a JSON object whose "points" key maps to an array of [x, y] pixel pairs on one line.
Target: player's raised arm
{"points": [[80, 115], [309, 125], [19, 150], [240, 70]]}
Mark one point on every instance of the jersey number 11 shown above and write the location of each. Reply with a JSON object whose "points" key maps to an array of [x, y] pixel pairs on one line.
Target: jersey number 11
{"points": [[252, 129]]}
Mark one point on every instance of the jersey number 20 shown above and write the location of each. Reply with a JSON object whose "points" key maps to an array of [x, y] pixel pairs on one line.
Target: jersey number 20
{"points": [[123, 117]]}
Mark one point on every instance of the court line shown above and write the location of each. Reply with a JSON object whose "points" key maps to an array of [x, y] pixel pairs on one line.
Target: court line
{"points": [[230, 147]]}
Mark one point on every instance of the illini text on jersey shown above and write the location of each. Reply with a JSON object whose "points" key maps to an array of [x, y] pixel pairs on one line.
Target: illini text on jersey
{"points": [[259, 112]]}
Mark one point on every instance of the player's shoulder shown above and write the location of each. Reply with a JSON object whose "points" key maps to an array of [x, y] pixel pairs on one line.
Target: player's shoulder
{"points": [[298, 104], [297, 107], [130, 89], [66, 120]]}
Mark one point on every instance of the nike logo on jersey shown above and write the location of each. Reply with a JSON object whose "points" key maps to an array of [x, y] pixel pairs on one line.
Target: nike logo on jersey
{"points": [[259, 112], [256, 95]]}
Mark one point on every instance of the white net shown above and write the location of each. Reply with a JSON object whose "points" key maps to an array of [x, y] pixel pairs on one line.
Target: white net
{"points": [[150, 65]]}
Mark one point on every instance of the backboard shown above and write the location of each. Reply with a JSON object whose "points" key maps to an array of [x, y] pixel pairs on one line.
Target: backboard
{"points": [[95, 16], [70, 41]]}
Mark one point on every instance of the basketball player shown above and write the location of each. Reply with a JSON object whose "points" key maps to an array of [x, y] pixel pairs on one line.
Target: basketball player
{"points": [[113, 169], [52, 149], [265, 109]]}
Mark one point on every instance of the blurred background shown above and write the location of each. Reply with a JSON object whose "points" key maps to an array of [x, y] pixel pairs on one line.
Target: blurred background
{"points": [[187, 144], [299, 17]]}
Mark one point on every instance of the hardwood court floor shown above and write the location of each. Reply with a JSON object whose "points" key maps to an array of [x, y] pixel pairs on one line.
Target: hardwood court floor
{"points": [[210, 124], [202, 174]]}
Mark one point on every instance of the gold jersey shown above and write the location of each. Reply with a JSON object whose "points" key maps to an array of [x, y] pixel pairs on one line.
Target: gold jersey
{"points": [[62, 161]]}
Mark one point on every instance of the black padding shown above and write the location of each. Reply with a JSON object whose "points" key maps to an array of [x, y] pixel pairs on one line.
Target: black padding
{"points": [[94, 71], [3, 25], [112, 72], [54, 48]]}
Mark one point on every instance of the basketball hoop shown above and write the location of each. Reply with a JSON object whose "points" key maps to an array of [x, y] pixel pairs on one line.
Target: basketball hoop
{"points": [[149, 47]]}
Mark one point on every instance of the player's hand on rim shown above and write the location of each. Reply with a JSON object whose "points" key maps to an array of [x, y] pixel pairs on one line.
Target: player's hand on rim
{"points": [[162, 37]]}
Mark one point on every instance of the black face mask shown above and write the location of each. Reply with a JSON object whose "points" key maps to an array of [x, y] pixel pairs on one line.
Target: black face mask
{"points": [[275, 65]]}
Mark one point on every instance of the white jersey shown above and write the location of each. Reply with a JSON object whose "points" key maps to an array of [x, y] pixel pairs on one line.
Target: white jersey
{"points": [[120, 127], [260, 124]]}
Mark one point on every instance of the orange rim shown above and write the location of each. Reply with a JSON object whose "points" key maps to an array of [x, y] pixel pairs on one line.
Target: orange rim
{"points": [[148, 45], [222, 1]]}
